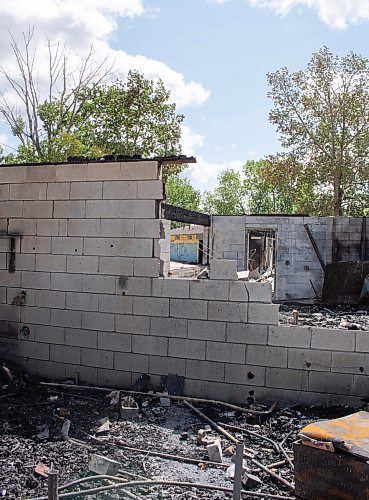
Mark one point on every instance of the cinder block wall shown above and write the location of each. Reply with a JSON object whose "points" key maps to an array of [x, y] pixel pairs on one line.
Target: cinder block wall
{"points": [[88, 260]]}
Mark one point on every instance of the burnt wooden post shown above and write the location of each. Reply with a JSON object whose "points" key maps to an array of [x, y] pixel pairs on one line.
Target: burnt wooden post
{"points": [[52, 485], [238, 465]]}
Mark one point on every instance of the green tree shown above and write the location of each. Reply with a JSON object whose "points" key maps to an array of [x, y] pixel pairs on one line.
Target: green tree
{"points": [[322, 115], [229, 197], [181, 193], [81, 116], [263, 197]]}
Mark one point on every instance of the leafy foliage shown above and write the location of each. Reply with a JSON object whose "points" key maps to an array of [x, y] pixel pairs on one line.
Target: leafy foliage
{"points": [[322, 115], [181, 193], [81, 116]]}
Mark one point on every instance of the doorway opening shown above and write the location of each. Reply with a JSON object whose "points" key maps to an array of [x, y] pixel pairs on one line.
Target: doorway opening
{"points": [[261, 255]]}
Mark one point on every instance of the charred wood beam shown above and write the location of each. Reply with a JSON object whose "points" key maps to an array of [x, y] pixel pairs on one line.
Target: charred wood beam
{"points": [[315, 246], [177, 214]]}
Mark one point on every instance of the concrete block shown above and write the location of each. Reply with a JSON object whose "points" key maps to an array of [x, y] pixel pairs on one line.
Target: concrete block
{"points": [[112, 341], [185, 348], [48, 369], [50, 298], [81, 338], [223, 269], [209, 289], [37, 209], [350, 362], [215, 451], [120, 190], [138, 325], [98, 284], [69, 282], [238, 291], [284, 378], [119, 304], [118, 379], [38, 280], [69, 209], [26, 262], [12, 175], [63, 317], [207, 330], [28, 191], [121, 209], [116, 266], [247, 334], [10, 313], [10, 279], [146, 267], [97, 357], [165, 287], [134, 286], [26, 227], [336, 340], [71, 173], [227, 353], [86, 374], [122, 228], [103, 465], [101, 246], [34, 350], [86, 190], [289, 336], [4, 192], [58, 191], [67, 245], [83, 227], [228, 311], [204, 370], [131, 362], [336, 383], [36, 244], [162, 365], [125, 247], [147, 228], [303, 359], [245, 374], [97, 321], [150, 190], [65, 354], [191, 309], [362, 342], [41, 173], [51, 263], [157, 346], [266, 356], [263, 313], [82, 301], [143, 170], [168, 327], [82, 264], [103, 171], [259, 292], [151, 306], [47, 227]]}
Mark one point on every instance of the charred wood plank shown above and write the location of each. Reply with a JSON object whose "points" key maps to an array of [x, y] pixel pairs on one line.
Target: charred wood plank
{"points": [[178, 214], [315, 246]]}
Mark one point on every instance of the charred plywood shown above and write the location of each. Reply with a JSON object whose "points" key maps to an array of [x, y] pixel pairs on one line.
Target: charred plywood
{"points": [[343, 282]]}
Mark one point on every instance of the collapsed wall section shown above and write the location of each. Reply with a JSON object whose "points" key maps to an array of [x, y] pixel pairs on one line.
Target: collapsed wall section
{"points": [[87, 256]]}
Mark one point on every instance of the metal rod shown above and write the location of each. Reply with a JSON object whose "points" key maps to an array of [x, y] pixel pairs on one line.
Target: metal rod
{"points": [[238, 465]]}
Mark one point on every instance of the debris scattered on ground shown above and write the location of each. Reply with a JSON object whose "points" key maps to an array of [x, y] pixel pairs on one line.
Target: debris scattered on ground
{"points": [[334, 317], [161, 444]]}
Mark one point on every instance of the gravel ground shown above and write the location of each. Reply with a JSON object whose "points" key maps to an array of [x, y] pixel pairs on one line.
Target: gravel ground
{"points": [[172, 430], [342, 317]]}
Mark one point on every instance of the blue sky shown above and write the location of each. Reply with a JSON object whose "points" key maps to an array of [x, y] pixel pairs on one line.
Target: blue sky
{"points": [[213, 54]]}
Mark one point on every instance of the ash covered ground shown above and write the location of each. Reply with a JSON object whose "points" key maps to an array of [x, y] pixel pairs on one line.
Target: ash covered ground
{"points": [[335, 317], [30, 434]]}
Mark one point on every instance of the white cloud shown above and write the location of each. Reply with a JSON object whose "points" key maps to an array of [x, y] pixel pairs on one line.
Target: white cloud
{"points": [[82, 23], [189, 140], [337, 14], [203, 174]]}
